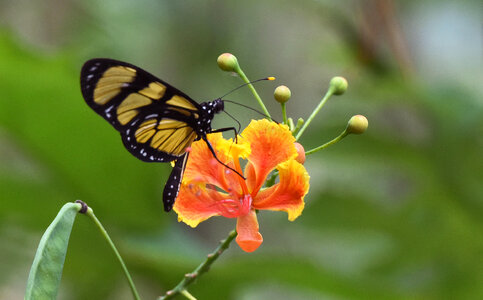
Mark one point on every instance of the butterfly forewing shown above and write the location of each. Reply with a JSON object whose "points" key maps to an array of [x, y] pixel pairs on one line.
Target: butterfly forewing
{"points": [[156, 120], [120, 92]]}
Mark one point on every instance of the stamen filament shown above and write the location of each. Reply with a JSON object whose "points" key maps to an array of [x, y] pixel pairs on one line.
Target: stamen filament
{"points": [[242, 182]]}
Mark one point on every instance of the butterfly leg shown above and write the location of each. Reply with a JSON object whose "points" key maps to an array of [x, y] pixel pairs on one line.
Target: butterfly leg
{"points": [[217, 159], [235, 132]]}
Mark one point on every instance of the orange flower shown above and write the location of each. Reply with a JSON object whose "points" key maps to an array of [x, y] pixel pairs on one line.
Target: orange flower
{"points": [[210, 189]]}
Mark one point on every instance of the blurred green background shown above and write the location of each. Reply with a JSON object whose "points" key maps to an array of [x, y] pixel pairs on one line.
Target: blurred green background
{"points": [[393, 214]]}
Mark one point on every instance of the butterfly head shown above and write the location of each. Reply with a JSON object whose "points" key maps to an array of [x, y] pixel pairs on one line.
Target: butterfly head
{"points": [[217, 105]]}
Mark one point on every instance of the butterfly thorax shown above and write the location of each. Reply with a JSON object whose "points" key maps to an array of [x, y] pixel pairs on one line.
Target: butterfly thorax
{"points": [[207, 113]]}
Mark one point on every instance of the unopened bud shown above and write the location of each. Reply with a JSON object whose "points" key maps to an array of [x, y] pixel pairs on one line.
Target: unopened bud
{"points": [[357, 124], [338, 85], [282, 94], [227, 62], [300, 153]]}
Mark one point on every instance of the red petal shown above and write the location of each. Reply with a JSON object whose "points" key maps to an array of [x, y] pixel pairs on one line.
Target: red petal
{"points": [[195, 204], [288, 194], [248, 238], [202, 166], [271, 144]]}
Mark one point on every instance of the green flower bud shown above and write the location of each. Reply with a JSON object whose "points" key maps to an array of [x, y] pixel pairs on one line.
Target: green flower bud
{"points": [[282, 94], [227, 62], [357, 124], [338, 85], [297, 127], [290, 124]]}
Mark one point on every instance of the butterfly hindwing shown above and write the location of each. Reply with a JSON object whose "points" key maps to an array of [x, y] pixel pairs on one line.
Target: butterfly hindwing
{"points": [[158, 139], [171, 188]]}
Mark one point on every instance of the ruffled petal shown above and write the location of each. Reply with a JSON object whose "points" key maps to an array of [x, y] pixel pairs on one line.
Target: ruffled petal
{"points": [[288, 194], [240, 149], [202, 167], [271, 144], [196, 204], [248, 238]]}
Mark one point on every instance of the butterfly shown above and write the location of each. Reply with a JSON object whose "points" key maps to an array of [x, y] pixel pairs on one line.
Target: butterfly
{"points": [[157, 122]]}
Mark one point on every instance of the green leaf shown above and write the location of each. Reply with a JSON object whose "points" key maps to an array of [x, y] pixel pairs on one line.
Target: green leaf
{"points": [[46, 271]]}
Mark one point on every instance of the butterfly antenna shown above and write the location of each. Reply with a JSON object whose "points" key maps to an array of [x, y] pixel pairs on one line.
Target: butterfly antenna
{"points": [[245, 84], [251, 108]]}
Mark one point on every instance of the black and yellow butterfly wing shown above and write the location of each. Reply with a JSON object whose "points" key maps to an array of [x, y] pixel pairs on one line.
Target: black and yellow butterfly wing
{"points": [[157, 122], [171, 188]]}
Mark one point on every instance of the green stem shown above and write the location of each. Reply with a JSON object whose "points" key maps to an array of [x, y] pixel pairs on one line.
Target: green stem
{"points": [[103, 231], [187, 295], [202, 268], [284, 113], [340, 137], [239, 71], [271, 181], [329, 93]]}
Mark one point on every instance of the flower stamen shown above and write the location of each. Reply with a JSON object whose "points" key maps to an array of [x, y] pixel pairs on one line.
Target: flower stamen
{"points": [[230, 208]]}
